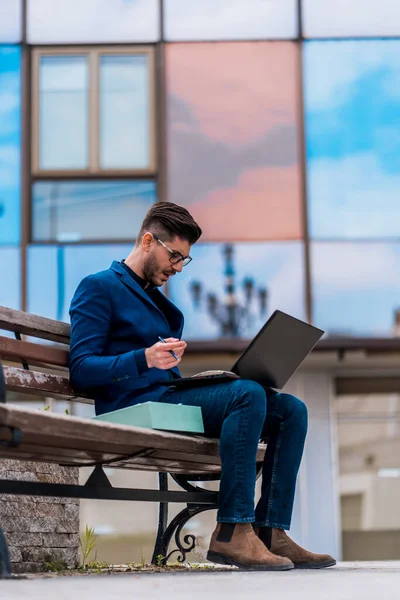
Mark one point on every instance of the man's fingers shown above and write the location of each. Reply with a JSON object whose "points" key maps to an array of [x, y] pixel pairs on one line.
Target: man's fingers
{"points": [[171, 346]]}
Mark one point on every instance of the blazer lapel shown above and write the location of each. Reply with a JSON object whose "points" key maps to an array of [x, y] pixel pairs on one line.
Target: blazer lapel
{"points": [[135, 287]]}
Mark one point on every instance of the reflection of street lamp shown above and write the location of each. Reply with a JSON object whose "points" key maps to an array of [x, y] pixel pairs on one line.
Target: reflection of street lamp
{"points": [[231, 316]]}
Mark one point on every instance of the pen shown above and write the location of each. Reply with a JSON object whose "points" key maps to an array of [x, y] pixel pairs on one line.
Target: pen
{"points": [[171, 351]]}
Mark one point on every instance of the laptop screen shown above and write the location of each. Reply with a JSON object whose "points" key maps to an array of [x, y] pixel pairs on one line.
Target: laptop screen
{"points": [[277, 350]]}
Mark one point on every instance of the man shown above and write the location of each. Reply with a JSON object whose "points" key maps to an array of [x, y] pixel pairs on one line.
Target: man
{"points": [[117, 317]]}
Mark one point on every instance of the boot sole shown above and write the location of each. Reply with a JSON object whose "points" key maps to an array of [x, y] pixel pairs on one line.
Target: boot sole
{"points": [[222, 559], [323, 565]]}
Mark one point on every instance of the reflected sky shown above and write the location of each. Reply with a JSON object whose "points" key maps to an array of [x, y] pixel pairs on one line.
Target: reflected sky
{"points": [[63, 112], [54, 274], [356, 287], [10, 145], [10, 22], [10, 270], [90, 210], [56, 21], [353, 138], [341, 18], [124, 112], [227, 20], [274, 266]]}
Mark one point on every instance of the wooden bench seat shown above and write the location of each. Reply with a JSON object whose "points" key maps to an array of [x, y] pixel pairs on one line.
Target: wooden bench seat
{"points": [[74, 441], [35, 435]]}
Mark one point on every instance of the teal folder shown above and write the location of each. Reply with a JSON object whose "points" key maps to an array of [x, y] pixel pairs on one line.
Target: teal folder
{"points": [[158, 415]]}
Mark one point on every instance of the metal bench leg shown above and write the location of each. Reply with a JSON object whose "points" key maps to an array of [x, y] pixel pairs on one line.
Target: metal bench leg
{"points": [[5, 567], [162, 520], [166, 532]]}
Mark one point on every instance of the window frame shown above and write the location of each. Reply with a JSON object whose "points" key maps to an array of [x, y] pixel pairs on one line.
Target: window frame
{"points": [[93, 54]]}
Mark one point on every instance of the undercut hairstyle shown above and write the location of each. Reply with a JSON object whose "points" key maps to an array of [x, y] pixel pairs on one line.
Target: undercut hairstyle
{"points": [[167, 220]]}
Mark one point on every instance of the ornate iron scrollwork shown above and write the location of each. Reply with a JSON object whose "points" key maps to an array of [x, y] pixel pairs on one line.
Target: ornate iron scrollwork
{"points": [[174, 529], [177, 524]]}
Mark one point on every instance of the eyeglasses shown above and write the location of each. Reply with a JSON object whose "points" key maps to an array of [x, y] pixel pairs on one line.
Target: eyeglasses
{"points": [[176, 257]]}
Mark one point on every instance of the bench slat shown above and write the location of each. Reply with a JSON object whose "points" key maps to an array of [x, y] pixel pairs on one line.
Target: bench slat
{"points": [[33, 325], [70, 457], [41, 384], [33, 353], [87, 438]]}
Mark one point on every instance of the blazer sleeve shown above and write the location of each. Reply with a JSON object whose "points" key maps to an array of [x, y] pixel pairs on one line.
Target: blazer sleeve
{"points": [[90, 313]]}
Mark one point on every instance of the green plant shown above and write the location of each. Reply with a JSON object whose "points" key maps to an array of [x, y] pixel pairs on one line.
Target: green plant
{"points": [[160, 560], [96, 566], [87, 543]]}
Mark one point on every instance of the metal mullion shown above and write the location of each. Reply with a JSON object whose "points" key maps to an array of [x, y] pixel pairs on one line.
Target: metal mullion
{"points": [[160, 109], [93, 111], [25, 172], [300, 19], [303, 167]]}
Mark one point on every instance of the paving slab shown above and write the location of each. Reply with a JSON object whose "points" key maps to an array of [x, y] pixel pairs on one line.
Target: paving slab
{"points": [[346, 581]]}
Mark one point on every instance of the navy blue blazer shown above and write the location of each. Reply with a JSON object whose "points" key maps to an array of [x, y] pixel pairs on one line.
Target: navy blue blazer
{"points": [[113, 320]]}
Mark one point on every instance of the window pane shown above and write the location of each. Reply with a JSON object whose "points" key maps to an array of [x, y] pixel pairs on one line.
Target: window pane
{"points": [[63, 114], [265, 276], [356, 287], [92, 21], [10, 144], [90, 210], [324, 18], [10, 21], [353, 140], [124, 112], [65, 267], [10, 277], [227, 20], [233, 138]]}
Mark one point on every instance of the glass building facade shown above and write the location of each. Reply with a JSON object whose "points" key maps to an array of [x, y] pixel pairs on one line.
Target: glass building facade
{"points": [[275, 123]]}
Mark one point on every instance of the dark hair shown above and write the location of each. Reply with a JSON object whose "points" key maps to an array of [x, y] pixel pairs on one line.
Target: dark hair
{"points": [[168, 220]]}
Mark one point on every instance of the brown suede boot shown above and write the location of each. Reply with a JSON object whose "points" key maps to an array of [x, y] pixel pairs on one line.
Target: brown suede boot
{"points": [[282, 545], [244, 550]]}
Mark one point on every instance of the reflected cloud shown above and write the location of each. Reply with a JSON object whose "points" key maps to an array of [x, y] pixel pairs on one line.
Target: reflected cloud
{"points": [[323, 18], [232, 140], [10, 22], [352, 138], [224, 19], [55, 21]]}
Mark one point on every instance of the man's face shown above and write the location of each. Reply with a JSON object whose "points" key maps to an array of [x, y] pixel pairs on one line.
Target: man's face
{"points": [[157, 267]]}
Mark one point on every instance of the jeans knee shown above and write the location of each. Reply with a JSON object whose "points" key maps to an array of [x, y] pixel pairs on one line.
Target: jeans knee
{"points": [[253, 395], [300, 411]]}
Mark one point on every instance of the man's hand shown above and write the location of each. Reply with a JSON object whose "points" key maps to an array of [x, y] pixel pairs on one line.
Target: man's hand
{"points": [[159, 355]]}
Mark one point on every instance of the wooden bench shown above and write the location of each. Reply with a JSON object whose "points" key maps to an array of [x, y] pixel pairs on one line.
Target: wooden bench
{"points": [[71, 441]]}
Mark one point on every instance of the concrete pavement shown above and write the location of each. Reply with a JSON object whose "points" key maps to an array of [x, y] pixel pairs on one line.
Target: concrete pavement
{"points": [[347, 581]]}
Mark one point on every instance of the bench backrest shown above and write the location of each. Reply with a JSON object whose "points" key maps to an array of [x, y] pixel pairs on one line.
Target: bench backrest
{"points": [[49, 352]]}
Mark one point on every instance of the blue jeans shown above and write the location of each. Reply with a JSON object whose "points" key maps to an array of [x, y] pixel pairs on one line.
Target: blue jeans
{"points": [[241, 413]]}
